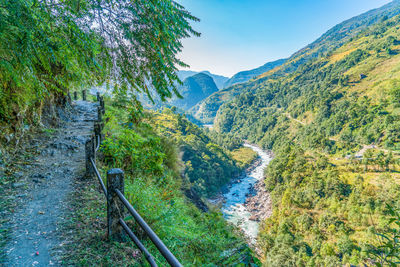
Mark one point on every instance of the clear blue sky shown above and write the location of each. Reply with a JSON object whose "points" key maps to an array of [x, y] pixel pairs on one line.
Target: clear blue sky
{"points": [[243, 34]]}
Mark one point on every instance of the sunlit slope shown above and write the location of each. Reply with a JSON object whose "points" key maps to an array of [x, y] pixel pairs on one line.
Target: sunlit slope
{"points": [[350, 95], [328, 42], [333, 124]]}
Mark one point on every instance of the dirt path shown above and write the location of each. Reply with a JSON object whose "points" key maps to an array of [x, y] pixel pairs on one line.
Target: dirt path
{"points": [[49, 177], [291, 118]]}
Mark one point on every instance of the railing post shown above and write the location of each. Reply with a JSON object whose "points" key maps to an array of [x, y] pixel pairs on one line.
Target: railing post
{"points": [[98, 96], [69, 97], [99, 114], [102, 105], [97, 132], [89, 154], [84, 95], [94, 148], [75, 95], [115, 208]]}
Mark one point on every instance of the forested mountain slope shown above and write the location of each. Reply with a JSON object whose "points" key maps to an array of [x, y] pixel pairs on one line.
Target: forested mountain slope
{"points": [[207, 166], [333, 123], [218, 79], [247, 75], [194, 89], [349, 95], [332, 39]]}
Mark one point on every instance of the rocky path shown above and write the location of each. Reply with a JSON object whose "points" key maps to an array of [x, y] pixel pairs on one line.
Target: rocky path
{"points": [[48, 179]]}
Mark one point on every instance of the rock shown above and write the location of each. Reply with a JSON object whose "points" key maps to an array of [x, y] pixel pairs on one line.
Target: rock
{"points": [[254, 218]]}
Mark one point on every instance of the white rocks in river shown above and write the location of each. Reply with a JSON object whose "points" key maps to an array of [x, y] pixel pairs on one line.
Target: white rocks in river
{"points": [[243, 206]]}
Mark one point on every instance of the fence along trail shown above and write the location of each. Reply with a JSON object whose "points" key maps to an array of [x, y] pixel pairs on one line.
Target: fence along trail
{"points": [[47, 180], [70, 153], [116, 201]]}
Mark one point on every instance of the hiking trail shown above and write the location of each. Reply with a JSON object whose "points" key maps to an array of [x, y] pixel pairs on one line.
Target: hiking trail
{"points": [[47, 180]]}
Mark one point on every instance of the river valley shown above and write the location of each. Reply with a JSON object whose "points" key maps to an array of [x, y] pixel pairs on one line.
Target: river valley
{"points": [[235, 207]]}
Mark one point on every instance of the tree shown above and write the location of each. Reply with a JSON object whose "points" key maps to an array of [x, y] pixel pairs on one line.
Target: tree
{"points": [[142, 39], [49, 47], [367, 157], [386, 251], [380, 159], [388, 160]]}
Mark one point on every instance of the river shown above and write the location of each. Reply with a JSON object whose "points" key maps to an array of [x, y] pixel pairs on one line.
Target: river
{"points": [[234, 208]]}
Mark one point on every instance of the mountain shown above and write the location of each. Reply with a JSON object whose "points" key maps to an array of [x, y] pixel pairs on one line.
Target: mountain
{"points": [[331, 40], [331, 115], [183, 74], [194, 89], [247, 75], [218, 79]]}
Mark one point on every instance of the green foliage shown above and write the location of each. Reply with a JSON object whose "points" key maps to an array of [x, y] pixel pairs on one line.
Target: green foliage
{"points": [[132, 44], [387, 250], [319, 218], [208, 166], [244, 156], [42, 53]]}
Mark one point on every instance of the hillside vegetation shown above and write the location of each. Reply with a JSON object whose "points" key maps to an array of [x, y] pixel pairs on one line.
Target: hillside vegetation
{"points": [[244, 76], [194, 89], [332, 39], [207, 166], [333, 123]]}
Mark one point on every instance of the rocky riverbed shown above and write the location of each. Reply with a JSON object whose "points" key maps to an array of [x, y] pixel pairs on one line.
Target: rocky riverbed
{"points": [[245, 203]]}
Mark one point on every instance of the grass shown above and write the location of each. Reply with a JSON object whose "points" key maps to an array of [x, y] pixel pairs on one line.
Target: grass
{"points": [[244, 156], [85, 232]]}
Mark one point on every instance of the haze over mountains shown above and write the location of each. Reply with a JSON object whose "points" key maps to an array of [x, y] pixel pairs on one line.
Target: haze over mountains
{"points": [[197, 87], [194, 89], [247, 75], [219, 80]]}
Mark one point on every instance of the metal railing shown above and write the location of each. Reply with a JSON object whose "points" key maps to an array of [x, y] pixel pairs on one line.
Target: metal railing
{"points": [[116, 201]]}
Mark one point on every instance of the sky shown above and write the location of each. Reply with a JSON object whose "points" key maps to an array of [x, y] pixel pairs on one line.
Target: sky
{"points": [[239, 35]]}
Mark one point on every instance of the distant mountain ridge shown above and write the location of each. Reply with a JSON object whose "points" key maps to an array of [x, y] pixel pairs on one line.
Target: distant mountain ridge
{"points": [[194, 89], [247, 75], [219, 80]]}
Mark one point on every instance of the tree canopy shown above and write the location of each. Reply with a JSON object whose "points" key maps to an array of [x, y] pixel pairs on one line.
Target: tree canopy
{"points": [[51, 46]]}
